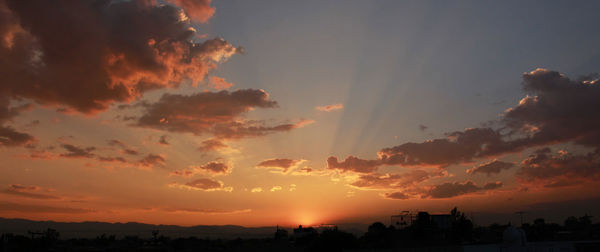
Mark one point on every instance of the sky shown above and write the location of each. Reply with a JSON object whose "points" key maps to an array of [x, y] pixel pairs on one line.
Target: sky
{"points": [[261, 113]]}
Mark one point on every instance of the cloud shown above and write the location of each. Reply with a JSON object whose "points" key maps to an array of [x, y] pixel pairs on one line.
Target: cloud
{"points": [[84, 56], [453, 189], [163, 140], [352, 163], [115, 142], [458, 147], [77, 152], [216, 113], [279, 163], [124, 149], [151, 160], [198, 10], [182, 173], [203, 184], [396, 195], [25, 208], [130, 152], [492, 167], [555, 110], [329, 108], [215, 167], [276, 188], [391, 181], [32, 192], [557, 170], [422, 127], [9, 137], [256, 190], [212, 168], [212, 145], [208, 211], [219, 83]]}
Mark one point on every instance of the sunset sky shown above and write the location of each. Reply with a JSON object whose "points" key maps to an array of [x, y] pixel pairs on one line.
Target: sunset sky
{"points": [[260, 113]]}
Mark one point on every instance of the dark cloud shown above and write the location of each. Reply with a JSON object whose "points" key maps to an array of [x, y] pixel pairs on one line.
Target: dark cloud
{"points": [[85, 55], [562, 169], [115, 142], [123, 146], [422, 127], [208, 211], [198, 10], [458, 147], [391, 181], [211, 145], [449, 190], [201, 113], [24, 208], [556, 110], [9, 137], [492, 167], [215, 167], [352, 163], [32, 192], [283, 163], [77, 152], [130, 152], [163, 140], [113, 159], [203, 184], [397, 195], [151, 160]]}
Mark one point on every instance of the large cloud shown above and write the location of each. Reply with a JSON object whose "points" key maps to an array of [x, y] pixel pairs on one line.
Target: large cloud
{"points": [[562, 169], [216, 113], [391, 181], [453, 189], [352, 163], [284, 164], [492, 167], [8, 135], [198, 10], [86, 55], [33, 192], [556, 110]]}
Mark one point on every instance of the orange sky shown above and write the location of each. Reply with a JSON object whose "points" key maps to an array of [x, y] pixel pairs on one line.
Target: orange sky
{"points": [[138, 111]]}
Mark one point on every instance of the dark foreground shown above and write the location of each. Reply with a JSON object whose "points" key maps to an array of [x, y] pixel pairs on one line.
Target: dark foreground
{"points": [[423, 234]]}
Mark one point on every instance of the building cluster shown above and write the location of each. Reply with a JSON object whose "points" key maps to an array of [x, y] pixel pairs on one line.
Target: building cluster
{"points": [[408, 218]]}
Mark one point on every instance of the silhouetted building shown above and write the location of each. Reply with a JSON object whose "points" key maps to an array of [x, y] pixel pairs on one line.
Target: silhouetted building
{"points": [[302, 232], [281, 234], [442, 221], [408, 218], [403, 219]]}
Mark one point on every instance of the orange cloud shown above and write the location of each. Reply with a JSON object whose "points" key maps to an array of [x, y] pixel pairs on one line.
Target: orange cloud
{"points": [[198, 10], [32, 192], [329, 108], [284, 164], [203, 184], [116, 62], [491, 167], [219, 83]]}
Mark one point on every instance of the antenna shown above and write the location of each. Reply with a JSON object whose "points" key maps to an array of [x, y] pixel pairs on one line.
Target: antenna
{"points": [[520, 213]]}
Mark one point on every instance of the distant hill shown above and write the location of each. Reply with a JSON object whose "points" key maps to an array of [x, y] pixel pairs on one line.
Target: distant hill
{"points": [[93, 229]]}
